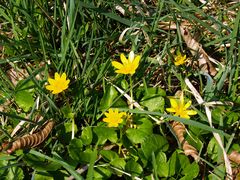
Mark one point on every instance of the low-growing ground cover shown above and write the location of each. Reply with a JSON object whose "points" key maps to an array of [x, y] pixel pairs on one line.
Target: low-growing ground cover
{"points": [[119, 89]]}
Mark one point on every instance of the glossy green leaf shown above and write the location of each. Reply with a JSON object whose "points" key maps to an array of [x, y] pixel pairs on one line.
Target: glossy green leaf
{"points": [[153, 103], [40, 164], [111, 99], [191, 170], [232, 117], [153, 99], [25, 85], [15, 172], [172, 164], [74, 148], [144, 129], [108, 155], [65, 132], [155, 91], [100, 173], [85, 156], [67, 112], [213, 149], [134, 168], [162, 165], [24, 100], [184, 160], [43, 176], [109, 95], [118, 163], [104, 134], [87, 135], [124, 84], [154, 143]]}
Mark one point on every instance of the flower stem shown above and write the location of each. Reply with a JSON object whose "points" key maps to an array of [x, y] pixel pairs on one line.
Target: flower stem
{"points": [[131, 92]]}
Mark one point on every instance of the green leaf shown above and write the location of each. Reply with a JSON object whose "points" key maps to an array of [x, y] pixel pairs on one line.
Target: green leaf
{"points": [[24, 100], [124, 84], [212, 149], [74, 148], [191, 170], [134, 168], [153, 103], [172, 162], [101, 173], [232, 117], [154, 143], [25, 85], [108, 155], [144, 129], [118, 163], [104, 134], [65, 132], [57, 159], [184, 160], [87, 135], [194, 140], [153, 99], [111, 99], [15, 172], [40, 164], [109, 95], [155, 91], [162, 165], [67, 112], [85, 157], [43, 176]]}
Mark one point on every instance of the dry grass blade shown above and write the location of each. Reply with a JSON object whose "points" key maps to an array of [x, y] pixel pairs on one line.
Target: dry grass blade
{"points": [[216, 135]]}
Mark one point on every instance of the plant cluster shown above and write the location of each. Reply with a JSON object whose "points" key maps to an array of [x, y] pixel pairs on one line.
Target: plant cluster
{"points": [[119, 89]]}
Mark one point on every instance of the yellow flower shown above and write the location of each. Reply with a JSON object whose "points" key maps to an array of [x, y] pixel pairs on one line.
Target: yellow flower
{"points": [[113, 118], [59, 84], [179, 59], [180, 109], [128, 66]]}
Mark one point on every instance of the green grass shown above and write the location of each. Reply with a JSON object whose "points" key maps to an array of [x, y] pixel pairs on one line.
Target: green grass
{"points": [[82, 38]]}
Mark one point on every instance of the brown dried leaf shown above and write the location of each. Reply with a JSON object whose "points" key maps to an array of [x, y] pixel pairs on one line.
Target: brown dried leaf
{"points": [[29, 141], [197, 50], [204, 61], [188, 149], [234, 156]]}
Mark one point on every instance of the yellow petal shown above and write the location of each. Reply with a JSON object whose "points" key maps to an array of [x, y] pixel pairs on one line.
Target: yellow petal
{"points": [[56, 91], [191, 112], [56, 76], [173, 103], [106, 119], [49, 87], [66, 82], [188, 104], [184, 57], [185, 116], [121, 71], [64, 76], [123, 59], [51, 81], [170, 110], [136, 61], [178, 63], [117, 65]]}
